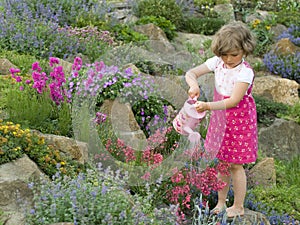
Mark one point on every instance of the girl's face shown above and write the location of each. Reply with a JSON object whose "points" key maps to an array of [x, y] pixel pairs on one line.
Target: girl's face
{"points": [[232, 58]]}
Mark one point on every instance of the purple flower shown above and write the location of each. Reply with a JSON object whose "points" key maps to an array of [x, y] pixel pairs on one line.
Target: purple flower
{"points": [[14, 70], [53, 61], [36, 67]]}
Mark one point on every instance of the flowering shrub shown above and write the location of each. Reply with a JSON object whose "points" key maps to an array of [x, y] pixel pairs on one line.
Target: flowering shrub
{"points": [[95, 197], [188, 183], [44, 98], [292, 33], [99, 82], [181, 185], [285, 66], [15, 142]]}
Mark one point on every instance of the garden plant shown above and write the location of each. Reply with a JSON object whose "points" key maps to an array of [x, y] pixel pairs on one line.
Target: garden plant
{"points": [[162, 182]]}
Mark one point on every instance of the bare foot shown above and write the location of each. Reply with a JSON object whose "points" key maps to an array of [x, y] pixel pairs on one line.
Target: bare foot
{"points": [[234, 212], [218, 209]]}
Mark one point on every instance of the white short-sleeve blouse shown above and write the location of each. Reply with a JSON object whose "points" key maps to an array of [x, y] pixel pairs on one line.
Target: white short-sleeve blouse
{"points": [[226, 78]]}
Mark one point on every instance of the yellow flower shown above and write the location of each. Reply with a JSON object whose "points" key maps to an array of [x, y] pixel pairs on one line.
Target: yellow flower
{"points": [[268, 27], [3, 140], [63, 170], [47, 158], [62, 163], [255, 23], [41, 141]]}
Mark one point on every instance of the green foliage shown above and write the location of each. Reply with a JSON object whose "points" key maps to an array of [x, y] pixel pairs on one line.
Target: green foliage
{"points": [[24, 61], [123, 33], [38, 111], [94, 41], [4, 89], [168, 9], [206, 8], [209, 2], [288, 6], [281, 199], [153, 107], [206, 26], [288, 18], [287, 171], [268, 110], [2, 215], [293, 113], [156, 69], [163, 23], [263, 34]]}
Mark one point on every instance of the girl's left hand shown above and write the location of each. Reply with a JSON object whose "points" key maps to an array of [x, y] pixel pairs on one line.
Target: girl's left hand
{"points": [[201, 106]]}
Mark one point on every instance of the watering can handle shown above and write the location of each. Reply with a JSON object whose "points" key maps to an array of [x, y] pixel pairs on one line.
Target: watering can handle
{"points": [[192, 101]]}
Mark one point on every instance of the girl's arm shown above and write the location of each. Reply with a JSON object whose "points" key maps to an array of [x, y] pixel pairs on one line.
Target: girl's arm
{"points": [[237, 94], [191, 79]]}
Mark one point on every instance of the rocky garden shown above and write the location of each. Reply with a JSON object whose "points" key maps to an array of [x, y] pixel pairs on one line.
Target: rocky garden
{"points": [[88, 93]]}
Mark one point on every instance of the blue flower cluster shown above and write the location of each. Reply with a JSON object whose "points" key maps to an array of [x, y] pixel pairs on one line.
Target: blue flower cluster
{"points": [[285, 66], [42, 28]]}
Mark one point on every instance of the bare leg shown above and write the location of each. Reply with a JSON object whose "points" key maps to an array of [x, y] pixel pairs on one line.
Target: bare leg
{"points": [[239, 182], [222, 194]]}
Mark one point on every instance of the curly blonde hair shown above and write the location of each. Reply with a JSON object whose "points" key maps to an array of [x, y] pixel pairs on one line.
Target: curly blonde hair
{"points": [[232, 36]]}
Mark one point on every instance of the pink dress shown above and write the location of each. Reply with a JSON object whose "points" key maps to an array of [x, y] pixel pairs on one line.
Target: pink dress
{"points": [[232, 133]]}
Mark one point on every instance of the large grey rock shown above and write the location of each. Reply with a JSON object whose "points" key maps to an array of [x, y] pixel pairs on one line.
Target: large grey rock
{"points": [[124, 124], [225, 11], [263, 174], [251, 218], [280, 140], [15, 194]]}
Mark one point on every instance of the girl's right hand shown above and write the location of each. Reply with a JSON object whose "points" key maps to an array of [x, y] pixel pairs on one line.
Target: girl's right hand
{"points": [[194, 92]]}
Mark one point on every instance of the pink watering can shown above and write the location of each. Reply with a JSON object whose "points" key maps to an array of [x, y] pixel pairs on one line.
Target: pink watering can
{"points": [[188, 119]]}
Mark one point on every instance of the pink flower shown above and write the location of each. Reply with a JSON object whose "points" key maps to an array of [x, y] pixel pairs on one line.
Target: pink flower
{"points": [[18, 79], [146, 176], [36, 67], [53, 61], [13, 71]]}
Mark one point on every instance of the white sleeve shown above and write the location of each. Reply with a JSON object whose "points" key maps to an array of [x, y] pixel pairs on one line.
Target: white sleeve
{"points": [[212, 63], [246, 75]]}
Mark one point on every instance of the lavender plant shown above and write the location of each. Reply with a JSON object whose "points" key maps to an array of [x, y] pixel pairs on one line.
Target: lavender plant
{"points": [[95, 197], [35, 27], [292, 33], [285, 66]]}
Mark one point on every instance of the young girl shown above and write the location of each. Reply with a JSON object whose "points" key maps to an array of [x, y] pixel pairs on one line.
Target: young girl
{"points": [[232, 131]]}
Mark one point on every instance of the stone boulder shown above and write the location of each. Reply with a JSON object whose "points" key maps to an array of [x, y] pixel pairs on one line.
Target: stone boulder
{"points": [[124, 123], [77, 150], [277, 89], [14, 179], [225, 11], [5, 65], [285, 47], [250, 218], [263, 173], [280, 140]]}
